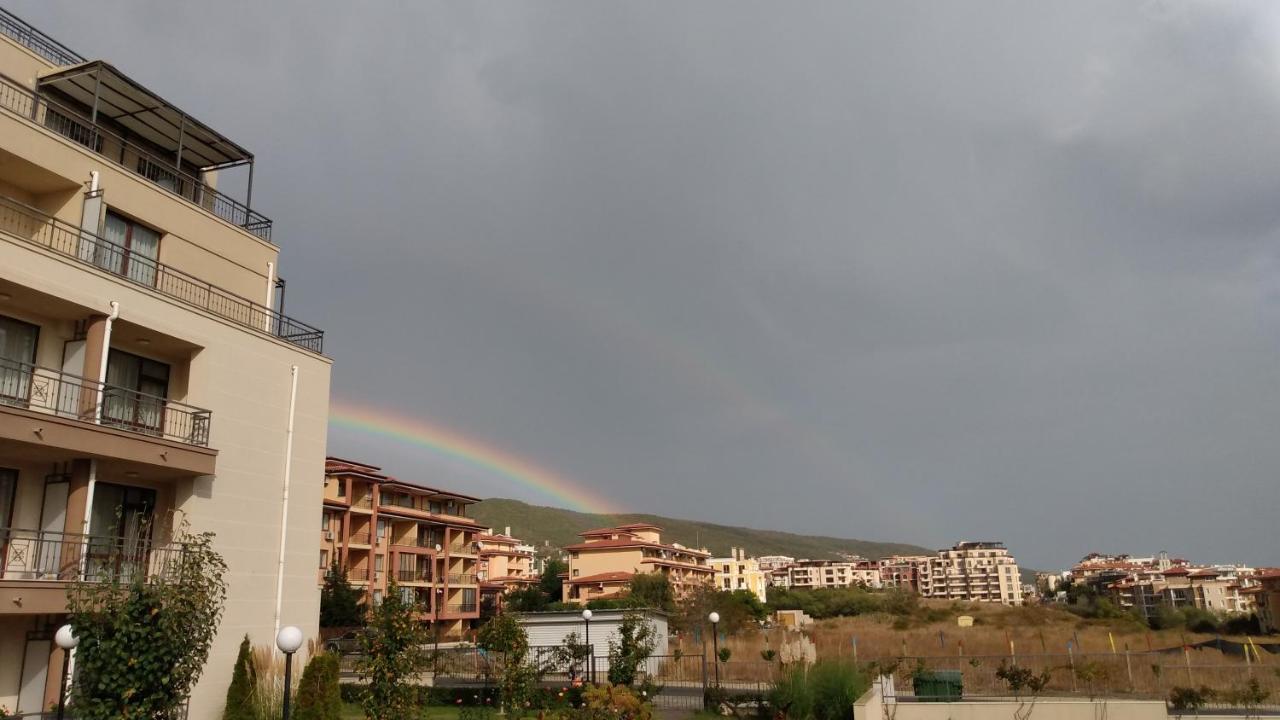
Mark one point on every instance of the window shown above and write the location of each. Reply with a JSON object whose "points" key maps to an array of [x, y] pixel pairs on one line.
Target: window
{"points": [[132, 251], [17, 354], [575, 573], [8, 487], [324, 521], [377, 597], [342, 488], [138, 390], [324, 559], [382, 529], [434, 507], [377, 563]]}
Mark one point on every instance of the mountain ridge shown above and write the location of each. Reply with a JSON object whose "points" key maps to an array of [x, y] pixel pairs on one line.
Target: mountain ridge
{"points": [[540, 524]]}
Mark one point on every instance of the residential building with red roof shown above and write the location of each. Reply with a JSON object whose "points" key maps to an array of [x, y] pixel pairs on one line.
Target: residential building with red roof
{"points": [[603, 564]]}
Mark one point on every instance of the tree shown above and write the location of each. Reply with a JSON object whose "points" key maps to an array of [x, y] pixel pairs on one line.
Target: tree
{"points": [[341, 605], [145, 624], [394, 656], [244, 678], [651, 590], [504, 634], [319, 697], [551, 584], [528, 599], [634, 643]]}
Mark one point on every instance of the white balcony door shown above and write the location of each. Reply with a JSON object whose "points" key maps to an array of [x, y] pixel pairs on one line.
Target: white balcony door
{"points": [[35, 670], [53, 519]]}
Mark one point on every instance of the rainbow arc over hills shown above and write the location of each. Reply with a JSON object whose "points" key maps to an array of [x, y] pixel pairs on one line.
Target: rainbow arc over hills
{"points": [[469, 451]]}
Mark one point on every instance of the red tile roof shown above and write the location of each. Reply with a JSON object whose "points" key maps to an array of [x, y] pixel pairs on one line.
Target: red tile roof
{"points": [[615, 544], [639, 526], [601, 577]]}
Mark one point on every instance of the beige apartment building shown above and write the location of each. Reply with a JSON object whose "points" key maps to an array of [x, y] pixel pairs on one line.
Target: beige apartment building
{"points": [[973, 571], [602, 565], [505, 561], [379, 528], [815, 574], [739, 572], [1182, 586], [146, 378]]}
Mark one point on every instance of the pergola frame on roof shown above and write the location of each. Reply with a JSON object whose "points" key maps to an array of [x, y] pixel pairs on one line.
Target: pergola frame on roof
{"points": [[114, 96]]}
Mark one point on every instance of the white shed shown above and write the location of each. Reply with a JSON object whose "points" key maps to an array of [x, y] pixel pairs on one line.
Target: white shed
{"points": [[549, 629]]}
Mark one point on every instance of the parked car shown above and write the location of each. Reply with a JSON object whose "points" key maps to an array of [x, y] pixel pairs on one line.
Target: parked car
{"points": [[345, 644]]}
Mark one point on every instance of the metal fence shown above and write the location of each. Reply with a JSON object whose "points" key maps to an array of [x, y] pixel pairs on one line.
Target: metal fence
{"points": [[47, 390], [40, 555], [37, 42], [46, 231], [71, 124], [1136, 675]]}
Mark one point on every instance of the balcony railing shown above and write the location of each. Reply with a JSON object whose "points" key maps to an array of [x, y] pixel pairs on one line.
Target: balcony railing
{"points": [[37, 42], [364, 501], [462, 579], [360, 538], [88, 248], [39, 555], [70, 123], [461, 607], [46, 390], [413, 575], [358, 575]]}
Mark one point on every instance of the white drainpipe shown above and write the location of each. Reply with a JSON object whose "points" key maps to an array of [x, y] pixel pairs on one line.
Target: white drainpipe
{"points": [[102, 362], [284, 504], [271, 283]]}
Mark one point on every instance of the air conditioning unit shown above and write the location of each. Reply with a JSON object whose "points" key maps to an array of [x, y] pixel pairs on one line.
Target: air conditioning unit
{"points": [[328, 535]]}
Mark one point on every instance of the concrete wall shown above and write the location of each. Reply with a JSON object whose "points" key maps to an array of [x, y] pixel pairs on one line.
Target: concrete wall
{"points": [[872, 706]]}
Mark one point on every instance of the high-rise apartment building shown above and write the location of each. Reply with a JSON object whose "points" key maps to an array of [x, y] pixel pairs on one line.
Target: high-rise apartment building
{"points": [[379, 528], [147, 378], [974, 571]]}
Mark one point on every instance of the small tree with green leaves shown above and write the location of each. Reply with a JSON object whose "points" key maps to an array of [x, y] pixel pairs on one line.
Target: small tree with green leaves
{"points": [[145, 624], [393, 657], [319, 697], [244, 678], [550, 583], [1022, 681], [505, 635], [651, 590], [634, 643], [341, 604]]}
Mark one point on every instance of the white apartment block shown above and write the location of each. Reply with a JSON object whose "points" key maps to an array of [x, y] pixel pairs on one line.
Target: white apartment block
{"points": [[812, 574], [973, 571], [739, 572]]}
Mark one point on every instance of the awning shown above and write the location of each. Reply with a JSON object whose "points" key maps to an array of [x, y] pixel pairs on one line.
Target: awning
{"points": [[144, 114]]}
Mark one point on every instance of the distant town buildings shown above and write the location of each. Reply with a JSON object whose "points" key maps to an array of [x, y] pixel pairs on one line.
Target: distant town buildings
{"points": [[505, 561], [1146, 584], [739, 572], [974, 571], [602, 565], [813, 574]]}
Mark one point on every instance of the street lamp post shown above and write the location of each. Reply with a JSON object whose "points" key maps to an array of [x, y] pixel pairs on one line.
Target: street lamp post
{"points": [[714, 617], [591, 665], [289, 639], [67, 640]]}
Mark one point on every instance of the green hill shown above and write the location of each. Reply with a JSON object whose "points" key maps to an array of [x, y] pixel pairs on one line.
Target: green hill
{"points": [[538, 525]]}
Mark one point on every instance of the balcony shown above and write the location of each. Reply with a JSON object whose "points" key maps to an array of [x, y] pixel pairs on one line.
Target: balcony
{"points": [[50, 233], [359, 538], [413, 575], [144, 160], [45, 390], [460, 608], [37, 555], [461, 579], [37, 42]]}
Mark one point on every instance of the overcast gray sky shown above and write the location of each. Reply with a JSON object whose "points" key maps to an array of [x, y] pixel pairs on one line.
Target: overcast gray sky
{"points": [[900, 271]]}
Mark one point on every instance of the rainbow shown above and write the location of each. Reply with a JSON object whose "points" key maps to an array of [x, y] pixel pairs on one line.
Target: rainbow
{"points": [[471, 452]]}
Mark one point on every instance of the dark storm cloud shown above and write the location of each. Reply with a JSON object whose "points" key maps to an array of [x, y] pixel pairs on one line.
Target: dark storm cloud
{"points": [[907, 271]]}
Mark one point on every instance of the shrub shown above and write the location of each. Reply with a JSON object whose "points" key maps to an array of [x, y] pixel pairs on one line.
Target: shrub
{"points": [[634, 643], [341, 605], [239, 705], [318, 696], [825, 691], [144, 637], [1186, 699], [393, 656]]}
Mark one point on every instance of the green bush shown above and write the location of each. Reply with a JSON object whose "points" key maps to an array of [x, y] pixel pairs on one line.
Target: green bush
{"points": [[239, 705], [826, 691], [318, 696]]}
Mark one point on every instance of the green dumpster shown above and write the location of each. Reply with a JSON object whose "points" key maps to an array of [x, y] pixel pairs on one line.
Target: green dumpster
{"points": [[938, 685]]}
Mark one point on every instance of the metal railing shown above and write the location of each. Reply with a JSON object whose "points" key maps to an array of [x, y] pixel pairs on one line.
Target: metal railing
{"points": [[413, 575], [23, 33], [47, 390], [364, 501], [89, 248], [461, 607], [40, 555], [462, 579], [360, 538], [358, 574], [70, 123]]}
